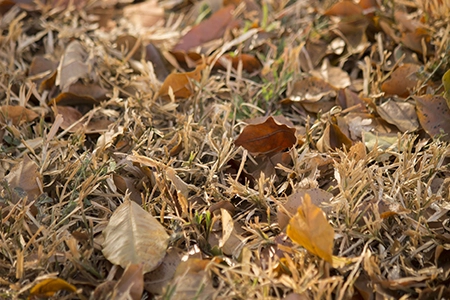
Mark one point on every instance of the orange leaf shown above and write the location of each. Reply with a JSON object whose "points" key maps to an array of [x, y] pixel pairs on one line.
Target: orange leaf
{"points": [[267, 137], [344, 9], [310, 229], [16, 114], [249, 62], [181, 83], [48, 287]]}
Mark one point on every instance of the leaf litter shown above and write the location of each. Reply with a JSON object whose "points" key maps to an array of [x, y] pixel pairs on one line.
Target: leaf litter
{"points": [[224, 149]]}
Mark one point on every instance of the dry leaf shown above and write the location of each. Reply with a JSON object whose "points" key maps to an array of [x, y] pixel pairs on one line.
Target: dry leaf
{"points": [[434, 115], [402, 81], [310, 229], [48, 287], [17, 115], [181, 83], [312, 89], [289, 208], [333, 138], [26, 176], [72, 66], [131, 284], [335, 76], [401, 114], [156, 280], [208, 30], [191, 281], [144, 14], [266, 138], [249, 62], [134, 236], [344, 9]]}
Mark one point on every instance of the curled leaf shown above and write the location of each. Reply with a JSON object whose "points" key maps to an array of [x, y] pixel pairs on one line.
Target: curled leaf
{"points": [[48, 287]]}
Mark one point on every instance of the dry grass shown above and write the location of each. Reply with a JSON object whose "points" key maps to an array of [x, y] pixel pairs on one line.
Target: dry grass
{"points": [[389, 208]]}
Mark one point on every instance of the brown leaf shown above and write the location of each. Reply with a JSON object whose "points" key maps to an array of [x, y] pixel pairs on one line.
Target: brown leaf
{"points": [[333, 138], [72, 66], [335, 76], [192, 281], [144, 14], [126, 43], [131, 284], [208, 30], [310, 229], [402, 80], [400, 114], [17, 115], [156, 280], [153, 55], [26, 176], [266, 138], [180, 83], [312, 89], [43, 72], [344, 9], [413, 40], [434, 115], [249, 62]]}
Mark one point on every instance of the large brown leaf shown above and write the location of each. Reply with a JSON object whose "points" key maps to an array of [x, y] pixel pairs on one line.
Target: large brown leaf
{"points": [[266, 138]]}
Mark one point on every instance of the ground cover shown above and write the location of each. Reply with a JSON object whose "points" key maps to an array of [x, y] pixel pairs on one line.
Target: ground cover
{"points": [[224, 149]]}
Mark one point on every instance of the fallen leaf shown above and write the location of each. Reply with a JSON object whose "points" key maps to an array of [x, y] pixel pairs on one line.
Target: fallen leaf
{"points": [[401, 114], [266, 138], [289, 208], [402, 81], [153, 55], [156, 280], [344, 9], [312, 89], [181, 83], [17, 115], [72, 66], [144, 14], [131, 284], [191, 281], [335, 76], [41, 71], [26, 176], [210, 29], [310, 229], [333, 138], [249, 62], [127, 43], [416, 40], [434, 115], [48, 287], [134, 236]]}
